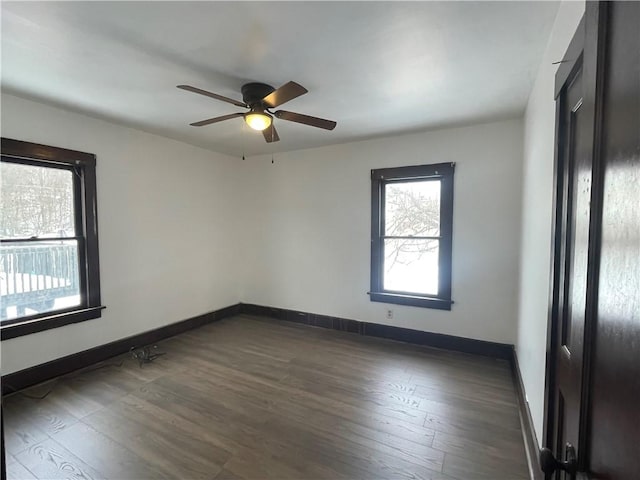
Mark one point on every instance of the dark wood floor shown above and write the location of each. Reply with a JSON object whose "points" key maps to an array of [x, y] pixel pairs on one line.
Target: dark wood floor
{"points": [[261, 399]]}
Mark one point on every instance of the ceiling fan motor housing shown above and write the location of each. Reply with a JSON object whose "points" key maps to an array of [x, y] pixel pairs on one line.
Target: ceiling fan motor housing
{"points": [[253, 93]]}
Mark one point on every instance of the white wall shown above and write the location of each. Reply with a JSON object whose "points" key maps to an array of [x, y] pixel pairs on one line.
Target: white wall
{"points": [[167, 229], [184, 231], [307, 229], [537, 211]]}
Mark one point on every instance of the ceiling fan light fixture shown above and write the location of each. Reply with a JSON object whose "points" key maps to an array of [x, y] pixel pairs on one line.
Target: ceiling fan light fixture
{"points": [[258, 120]]}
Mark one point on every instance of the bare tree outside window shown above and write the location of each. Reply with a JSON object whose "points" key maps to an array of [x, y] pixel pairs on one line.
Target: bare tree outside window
{"points": [[412, 216], [35, 201]]}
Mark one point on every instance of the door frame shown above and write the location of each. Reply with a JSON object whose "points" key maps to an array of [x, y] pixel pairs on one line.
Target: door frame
{"points": [[589, 45]]}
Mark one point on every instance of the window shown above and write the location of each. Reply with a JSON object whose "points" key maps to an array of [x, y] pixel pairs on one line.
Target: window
{"points": [[411, 229], [49, 273]]}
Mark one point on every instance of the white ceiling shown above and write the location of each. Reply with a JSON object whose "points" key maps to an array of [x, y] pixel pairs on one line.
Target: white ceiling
{"points": [[377, 68]]}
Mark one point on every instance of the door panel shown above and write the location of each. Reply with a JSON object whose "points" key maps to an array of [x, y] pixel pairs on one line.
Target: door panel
{"points": [[574, 179], [614, 451]]}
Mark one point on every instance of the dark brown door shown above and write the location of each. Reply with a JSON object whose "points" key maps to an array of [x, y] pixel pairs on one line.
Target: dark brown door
{"points": [[614, 417], [593, 376], [573, 198]]}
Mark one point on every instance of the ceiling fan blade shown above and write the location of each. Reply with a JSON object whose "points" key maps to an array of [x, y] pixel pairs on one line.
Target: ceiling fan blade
{"points": [[270, 134], [209, 121], [286, 92], [189, 88], [306, 119]]}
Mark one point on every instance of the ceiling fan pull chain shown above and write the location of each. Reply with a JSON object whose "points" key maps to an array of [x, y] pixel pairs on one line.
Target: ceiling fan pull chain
{"points": [[242, 140]]}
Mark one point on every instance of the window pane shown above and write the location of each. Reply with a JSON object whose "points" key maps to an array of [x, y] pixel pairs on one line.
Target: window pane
{"points": [[411, 265], [38, 277], [35, 201], [412, 208]]}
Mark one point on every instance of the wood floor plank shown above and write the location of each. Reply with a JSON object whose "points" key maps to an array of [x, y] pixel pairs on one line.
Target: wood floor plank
{"points": [[342, 428], [242, 383], [19, 434], [108, 456], [211, 405], [340, 418], [251, 465], [17, 471], [227, 475], [41, 414], [490, 399], [355, 391], [473, 428], [509, 455], [466, 468], [254, 398], [160, 452], [443, 403], [397, 406], [77, 402], [153, 420], [50, 460], [349, 377], [212, 427], [237, 432], [374, 459]]}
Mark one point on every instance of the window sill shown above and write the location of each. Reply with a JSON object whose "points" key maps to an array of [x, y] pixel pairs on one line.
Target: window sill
{"points": [[54, 320], [411, 300]]}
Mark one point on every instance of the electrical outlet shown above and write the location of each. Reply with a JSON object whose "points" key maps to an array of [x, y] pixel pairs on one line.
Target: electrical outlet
{"points": [[389, 314]]}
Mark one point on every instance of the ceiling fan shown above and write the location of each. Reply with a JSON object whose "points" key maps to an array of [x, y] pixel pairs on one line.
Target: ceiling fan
{"points": [[260, 98]]}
